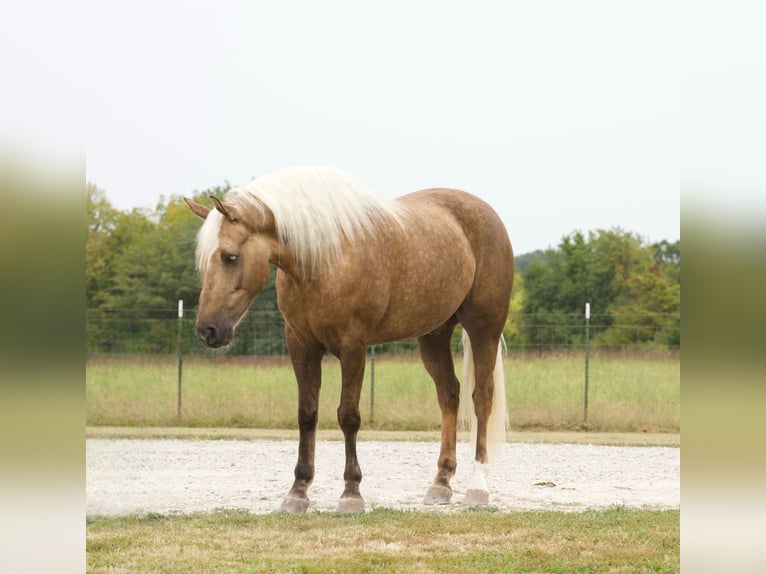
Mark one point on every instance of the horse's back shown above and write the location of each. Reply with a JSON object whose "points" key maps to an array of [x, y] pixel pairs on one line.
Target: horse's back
{"points": [[479, 222]]}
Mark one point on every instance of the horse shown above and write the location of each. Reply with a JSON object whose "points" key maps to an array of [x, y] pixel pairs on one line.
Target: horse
{"points": [[355, 269]]}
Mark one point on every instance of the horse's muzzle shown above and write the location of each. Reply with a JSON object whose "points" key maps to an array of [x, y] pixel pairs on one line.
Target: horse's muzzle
{"points": [[214, 336]]}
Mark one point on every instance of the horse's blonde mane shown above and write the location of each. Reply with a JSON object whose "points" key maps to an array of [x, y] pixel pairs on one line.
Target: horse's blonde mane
{"points": [[314, 208]]}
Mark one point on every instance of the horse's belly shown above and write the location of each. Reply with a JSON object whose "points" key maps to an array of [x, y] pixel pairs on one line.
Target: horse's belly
{"points": [[398, 331], [414, 314]]}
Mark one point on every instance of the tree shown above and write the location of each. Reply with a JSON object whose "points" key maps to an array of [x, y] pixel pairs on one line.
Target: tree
{"points": [[153, 267], [511, 330], [101, 219], [156, 267], [668, 257], [622, 278]]}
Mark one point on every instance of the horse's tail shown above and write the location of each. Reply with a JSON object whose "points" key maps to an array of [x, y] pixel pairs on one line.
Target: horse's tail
{"points": [[498, 422]]}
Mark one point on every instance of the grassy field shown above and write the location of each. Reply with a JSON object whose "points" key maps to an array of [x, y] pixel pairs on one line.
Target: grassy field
{"points": [[615, 540], [628, 393]]}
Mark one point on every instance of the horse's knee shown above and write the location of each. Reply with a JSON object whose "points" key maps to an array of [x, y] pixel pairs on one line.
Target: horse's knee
{"points": [[307, 419], [349, 419]]}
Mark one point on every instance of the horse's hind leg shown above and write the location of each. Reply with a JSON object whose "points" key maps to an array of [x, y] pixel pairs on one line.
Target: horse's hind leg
{"points": [[437, 358], [307, 364], [484, 349]]}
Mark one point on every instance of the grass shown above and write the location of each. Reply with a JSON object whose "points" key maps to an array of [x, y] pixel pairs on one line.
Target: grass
{"points": [[615, 540], [627, 394]]}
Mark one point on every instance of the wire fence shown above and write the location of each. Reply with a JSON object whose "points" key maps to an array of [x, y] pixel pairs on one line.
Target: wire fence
{"points": [[115, 333], [160, 331]]}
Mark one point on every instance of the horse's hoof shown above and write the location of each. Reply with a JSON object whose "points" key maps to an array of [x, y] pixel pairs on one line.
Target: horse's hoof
{"points": [[476, 498], [294, 505], [351, 505], [438, 494]]}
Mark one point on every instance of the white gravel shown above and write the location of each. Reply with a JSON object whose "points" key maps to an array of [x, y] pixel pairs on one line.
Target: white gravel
{"points": [[126, 476]]}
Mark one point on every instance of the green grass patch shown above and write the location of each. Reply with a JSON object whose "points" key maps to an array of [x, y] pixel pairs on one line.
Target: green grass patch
{"points": [[627, 393], [615, 540]]}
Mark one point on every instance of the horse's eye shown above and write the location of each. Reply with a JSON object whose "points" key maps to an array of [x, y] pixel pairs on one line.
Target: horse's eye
{"points": [[229, 258]]}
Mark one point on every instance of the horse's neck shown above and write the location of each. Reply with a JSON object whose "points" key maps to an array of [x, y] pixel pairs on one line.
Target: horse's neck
{"points": [[283, 259], [362, 250]]}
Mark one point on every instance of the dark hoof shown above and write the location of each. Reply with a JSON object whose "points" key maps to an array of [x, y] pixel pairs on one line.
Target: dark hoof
{"points": [[476, 498], [438, 494], [294, 505], [351, 505]]}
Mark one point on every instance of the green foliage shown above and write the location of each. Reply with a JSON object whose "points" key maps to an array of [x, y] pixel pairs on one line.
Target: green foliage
{"points": [[522, 261], [633, 288], [100, 244], [512, 329]]}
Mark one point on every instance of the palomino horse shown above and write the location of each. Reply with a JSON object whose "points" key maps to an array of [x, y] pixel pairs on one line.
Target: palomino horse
{"points": [[354, 269]]}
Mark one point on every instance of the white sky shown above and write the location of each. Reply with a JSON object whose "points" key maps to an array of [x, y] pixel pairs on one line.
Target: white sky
{"points": [[563, 115]]}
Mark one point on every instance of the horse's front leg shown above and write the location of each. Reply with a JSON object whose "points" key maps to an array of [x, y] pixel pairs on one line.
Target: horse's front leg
{"points": [[307, 364], [352, 362]]}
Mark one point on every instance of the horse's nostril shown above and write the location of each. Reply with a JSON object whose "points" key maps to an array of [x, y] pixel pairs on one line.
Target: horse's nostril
{"points": [[208, 334]]}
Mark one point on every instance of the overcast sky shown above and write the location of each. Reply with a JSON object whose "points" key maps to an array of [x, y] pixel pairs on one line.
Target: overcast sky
{"points": [[562, 115]]}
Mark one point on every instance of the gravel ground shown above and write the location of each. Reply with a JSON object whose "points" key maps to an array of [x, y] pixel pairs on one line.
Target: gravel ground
{"points": [[126, 476]]}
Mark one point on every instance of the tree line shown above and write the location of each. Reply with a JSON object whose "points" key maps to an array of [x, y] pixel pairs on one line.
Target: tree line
{"points": [[140, 262]]}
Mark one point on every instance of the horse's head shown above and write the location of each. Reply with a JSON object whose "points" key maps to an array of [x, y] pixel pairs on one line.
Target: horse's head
{"points": [[233, 257]]}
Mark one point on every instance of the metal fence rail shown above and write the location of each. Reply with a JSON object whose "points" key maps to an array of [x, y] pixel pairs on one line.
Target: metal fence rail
{"points": [[160, 331]]}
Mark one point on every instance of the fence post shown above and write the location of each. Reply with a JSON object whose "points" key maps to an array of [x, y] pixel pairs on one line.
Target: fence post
{"points": [[587, 360], [372, 385], [180, 352]]}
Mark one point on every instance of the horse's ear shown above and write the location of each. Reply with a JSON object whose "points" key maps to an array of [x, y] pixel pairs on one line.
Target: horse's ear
{"points": [[197, 209], [226, 210]]}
